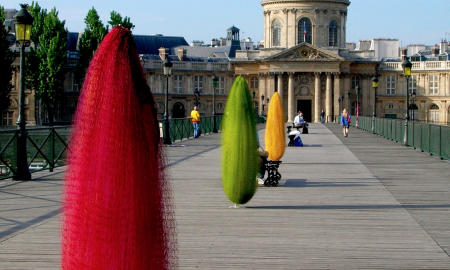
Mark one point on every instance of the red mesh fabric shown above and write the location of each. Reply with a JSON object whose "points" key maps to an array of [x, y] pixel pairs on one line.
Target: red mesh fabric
{"points": [[117, 211]]}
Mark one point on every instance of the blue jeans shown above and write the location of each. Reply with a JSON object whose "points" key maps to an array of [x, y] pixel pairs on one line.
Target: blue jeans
{"points": [[196, 129]]}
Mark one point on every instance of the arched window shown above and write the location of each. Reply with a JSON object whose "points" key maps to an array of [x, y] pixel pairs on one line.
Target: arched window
{"points": [[433, 114], [304, 31], [333, 34], [276, 33]]}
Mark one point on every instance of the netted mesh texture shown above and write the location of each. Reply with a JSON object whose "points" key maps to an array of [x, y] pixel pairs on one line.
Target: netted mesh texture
{"points": [[117, 202], [275, 136], [239, 145]]}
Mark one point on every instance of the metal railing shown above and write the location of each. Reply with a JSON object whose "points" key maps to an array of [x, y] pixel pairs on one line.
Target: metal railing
{"points": [[46, 149], [430, 138]]}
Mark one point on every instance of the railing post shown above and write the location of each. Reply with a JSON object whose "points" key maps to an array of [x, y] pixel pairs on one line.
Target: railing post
{"points": [[52, 149]]}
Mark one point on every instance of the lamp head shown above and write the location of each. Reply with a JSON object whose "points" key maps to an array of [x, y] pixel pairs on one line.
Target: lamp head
{"points": [[407, 65], [375, 81], [23, 22], [167, 65]]}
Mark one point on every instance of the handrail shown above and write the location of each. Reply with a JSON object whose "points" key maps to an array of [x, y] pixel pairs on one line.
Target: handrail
{"points": [[430, 138]]}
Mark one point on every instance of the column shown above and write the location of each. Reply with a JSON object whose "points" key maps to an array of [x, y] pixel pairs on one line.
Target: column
{"points": [[447, 76], [328, 99], [347, 85], [317, 107], [337, 94], [291, 105], [280, 86], [271, 90]]}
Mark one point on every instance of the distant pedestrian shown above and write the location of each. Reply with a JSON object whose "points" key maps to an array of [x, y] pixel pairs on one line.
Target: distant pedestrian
{"points": [[298, 120], [345, 122], [322, 117], [195, 117]]}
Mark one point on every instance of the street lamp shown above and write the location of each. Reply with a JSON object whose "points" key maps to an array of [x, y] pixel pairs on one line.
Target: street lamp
{"points": [[374, 108], [406, 65], [23, 22], [358, 90], [215, 80], [167, 72]]}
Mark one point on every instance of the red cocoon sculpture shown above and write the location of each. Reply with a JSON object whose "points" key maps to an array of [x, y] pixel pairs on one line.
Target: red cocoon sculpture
{"points": [[117, 211]]}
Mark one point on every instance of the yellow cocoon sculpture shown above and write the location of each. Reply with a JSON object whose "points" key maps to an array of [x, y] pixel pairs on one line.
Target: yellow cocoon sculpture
{"points": [[275, 136]]}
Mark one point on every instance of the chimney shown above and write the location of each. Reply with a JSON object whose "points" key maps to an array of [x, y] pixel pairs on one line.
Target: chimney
{"points": [[163, 53], [181, 53], [444, 46], [435, 50], [404, 53]]}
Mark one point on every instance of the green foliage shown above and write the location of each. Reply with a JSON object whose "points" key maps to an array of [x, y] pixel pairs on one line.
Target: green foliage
{"points": [[116, 19], [52, 55], [6, 60], [32, 59], [89, 41], [239, 145]]}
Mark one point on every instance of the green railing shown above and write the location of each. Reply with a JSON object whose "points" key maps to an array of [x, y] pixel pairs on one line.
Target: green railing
{"points": [[182, 128], [430, 138], [46, 149]]}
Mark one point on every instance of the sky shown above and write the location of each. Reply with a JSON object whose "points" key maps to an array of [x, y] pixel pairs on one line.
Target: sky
{"points": [[410, 21]]}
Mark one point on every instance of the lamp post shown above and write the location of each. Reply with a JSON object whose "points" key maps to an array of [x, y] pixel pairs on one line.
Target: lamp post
{"points": [[167, 72], [358, 90], [413, 102], [262, 105], [374, 108], [215, 80], [23, 22], [406, 65]]}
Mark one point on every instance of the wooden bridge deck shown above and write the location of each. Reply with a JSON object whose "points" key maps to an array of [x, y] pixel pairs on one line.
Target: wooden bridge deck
{"points": [[344, 203]]}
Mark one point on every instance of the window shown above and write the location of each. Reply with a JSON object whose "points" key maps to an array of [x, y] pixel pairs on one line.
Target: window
{"points": [[254, 83], [433, 114], [7, 118], [434, 84], [178, 83], [390, 85], [413, 85], [221, 86], [198, 84], [304, 31], [333, 34], [276, 33], [355, 82]]}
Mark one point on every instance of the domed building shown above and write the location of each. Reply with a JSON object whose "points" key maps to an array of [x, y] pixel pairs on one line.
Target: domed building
{"points": [[307, 59]]}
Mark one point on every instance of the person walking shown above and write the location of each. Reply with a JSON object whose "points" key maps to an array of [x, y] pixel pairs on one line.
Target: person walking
{"points": [[322, 117], [298, 120], [195, 117], [345, 122]]}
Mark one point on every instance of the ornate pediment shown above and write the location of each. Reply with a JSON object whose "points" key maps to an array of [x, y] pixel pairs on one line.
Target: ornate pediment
{"points": [[304, 52]]}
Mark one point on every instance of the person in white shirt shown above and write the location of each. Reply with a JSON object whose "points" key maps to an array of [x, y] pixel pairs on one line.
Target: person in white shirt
{"points": [[298, 120]]}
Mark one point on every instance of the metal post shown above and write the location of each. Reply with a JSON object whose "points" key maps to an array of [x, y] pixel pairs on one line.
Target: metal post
{"points": [[23, 172], [405, 137], [214, 110], [167, 139], [357, 106], [374, 109]]}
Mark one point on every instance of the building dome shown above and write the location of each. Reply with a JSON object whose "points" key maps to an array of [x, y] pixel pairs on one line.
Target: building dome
{"points": [[321, 23]]}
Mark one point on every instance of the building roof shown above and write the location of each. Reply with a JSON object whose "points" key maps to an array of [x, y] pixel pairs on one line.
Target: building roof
{"points": [[72, 41], [151, 44]]}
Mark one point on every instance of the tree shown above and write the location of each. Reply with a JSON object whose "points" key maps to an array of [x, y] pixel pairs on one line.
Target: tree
{"points": [[116, 19], [32, 59], [52, 55], [89, 41], [6, 60]]}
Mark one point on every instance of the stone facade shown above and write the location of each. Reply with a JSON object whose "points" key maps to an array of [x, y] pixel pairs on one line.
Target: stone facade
{"points": [[311, 76]]}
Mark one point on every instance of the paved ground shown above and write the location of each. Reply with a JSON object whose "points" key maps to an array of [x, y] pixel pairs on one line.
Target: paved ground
{"points": [[344, 203]]}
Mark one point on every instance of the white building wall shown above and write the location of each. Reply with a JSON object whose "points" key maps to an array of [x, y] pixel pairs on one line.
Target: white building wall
{"points": [[385, 48]]}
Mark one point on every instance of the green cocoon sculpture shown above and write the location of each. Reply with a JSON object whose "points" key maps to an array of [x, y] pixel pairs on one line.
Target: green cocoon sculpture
{"points": [[275, 136], [239, 145]]}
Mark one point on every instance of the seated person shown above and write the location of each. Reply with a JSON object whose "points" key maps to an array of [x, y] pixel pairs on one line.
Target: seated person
{"points": [[298, 120], [263, 155]]}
